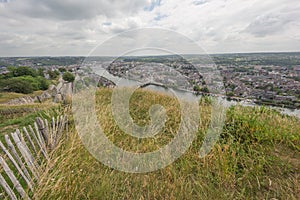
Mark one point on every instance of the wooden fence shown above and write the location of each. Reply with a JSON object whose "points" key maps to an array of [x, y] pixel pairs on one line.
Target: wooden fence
{"points": [[23, 153]]}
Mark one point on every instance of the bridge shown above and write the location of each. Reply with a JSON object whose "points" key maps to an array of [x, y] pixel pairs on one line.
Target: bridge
{"points": [[154, 84]]}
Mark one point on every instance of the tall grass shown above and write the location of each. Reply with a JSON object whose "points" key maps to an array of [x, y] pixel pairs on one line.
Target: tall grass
{"points": [[257, 157]]}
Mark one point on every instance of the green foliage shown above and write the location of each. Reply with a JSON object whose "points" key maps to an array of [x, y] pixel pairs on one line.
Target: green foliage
{"points": [[23, 80], [62, 69], [16, 84], [40, 72], [69, 77], [204, 90], [22, 71], [197, 88], [53, 74], [43, 83]]}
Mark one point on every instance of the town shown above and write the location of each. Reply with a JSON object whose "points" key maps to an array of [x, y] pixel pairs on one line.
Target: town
{"points": [[266, 79]]}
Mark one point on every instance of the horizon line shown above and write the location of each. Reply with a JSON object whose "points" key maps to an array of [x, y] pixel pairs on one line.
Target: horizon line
{"points": [[221, 53]]}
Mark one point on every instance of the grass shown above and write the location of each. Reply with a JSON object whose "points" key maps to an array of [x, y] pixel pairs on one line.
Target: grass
{"points": [[257, 157], [16, 116], [7, 96]]}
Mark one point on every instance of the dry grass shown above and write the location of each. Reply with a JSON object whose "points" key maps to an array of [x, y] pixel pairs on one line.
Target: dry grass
{"points": [[7, 96], [257, 157], [15, 116]]}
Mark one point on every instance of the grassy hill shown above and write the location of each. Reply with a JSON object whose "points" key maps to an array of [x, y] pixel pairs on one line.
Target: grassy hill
{"points": [[257, 157]]}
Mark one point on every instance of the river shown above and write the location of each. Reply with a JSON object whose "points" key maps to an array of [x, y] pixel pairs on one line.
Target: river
{"points": [[187, 95]]}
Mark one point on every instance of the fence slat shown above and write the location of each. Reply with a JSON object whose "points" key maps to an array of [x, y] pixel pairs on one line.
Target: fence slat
{"points": [[20, 135], [13, 178], [24, 152], [16, 155], [53, 131], [38, 142], [25, 155], [39, 136], [7, 189], [43, 130], [27, 179], [48, 134], [30, 140]]}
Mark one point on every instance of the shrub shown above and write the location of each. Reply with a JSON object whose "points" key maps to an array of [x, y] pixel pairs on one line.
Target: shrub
{"points": [[69, 77], [22, 71], [53, 74], [24, 84], [43, 83], [62, 69], [17, 85]]}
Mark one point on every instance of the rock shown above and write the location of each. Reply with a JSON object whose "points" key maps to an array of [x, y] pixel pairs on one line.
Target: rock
{"points": [[45, 95], [21, 100], [67, 89], [59, 86], [51, 87], [58, 98]]}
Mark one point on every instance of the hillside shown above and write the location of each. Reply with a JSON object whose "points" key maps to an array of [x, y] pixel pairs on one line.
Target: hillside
{"points": [[257, 157]]}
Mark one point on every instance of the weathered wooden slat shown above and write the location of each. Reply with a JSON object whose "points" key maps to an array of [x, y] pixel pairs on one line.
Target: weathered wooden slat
{"points": [[59, 127], [66, 125], [30, 140], [7, 189], [53, 132], [43, 130], [12, 149], [39, 136], [47, 134], [38, 142], [50, 137], [42, 139], [27, 179], [20, 135], [27, 157], [34, 136], [33, 158], [13, 178]]}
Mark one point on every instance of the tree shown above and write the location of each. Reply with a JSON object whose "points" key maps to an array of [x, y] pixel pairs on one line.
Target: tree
{"points": [[53, 74], [43, 83], [24, 84], [16, 85], [62, 69], [197, 88], [40, 72], [22, 71], [69, 77], [204, 90]]}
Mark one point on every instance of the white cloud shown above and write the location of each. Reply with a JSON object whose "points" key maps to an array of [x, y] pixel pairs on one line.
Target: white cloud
{"points": [[74, 27]]}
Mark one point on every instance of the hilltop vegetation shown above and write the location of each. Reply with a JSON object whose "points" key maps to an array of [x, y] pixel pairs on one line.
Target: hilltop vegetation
{"points": [[23, 80], [257, 157]]}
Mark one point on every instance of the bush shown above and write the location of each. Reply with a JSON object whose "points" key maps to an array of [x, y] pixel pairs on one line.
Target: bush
{"points": [[22, 71], [69, 77], [62, 69], [43, 83], [16, 85], [24, 84], [40, 72], [53, 74]]}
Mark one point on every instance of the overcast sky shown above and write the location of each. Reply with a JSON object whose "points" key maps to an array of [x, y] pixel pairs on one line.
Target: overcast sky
{"points": [[75, 27]]}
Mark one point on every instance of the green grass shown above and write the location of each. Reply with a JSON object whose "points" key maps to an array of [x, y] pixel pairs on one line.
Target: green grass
{"points": [[17, 116], [257, 157]]}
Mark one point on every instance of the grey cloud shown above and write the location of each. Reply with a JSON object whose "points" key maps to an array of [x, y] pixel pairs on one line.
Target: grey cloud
{"points": [[273, 23], [265, 25], [75, 9], [200, 2], [66, 27]]}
